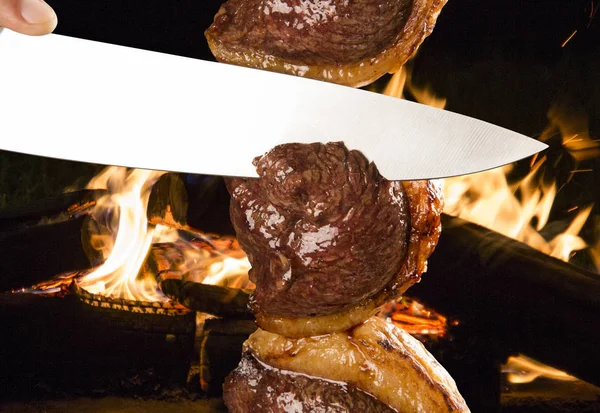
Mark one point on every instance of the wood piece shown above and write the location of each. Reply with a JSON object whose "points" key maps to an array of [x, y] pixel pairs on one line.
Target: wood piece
{"points": [[168, 202], [54, 209], [473, 360], [531, 303], [221, 350], [195, 202], [209, 204], [181, 268], [51, 236], [210, 299], [59, 345], [30, 255], [48, 237]]}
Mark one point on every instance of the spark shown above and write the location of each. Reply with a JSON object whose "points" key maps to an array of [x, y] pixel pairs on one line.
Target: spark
{"points": [[571, 139], [593, 11], [572, 254], [568, 38]]}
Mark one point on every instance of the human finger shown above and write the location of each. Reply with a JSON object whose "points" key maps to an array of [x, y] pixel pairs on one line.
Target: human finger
{"points": [[33, 17]]}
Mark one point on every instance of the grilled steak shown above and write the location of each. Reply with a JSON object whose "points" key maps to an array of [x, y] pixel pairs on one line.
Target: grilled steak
{"points": [[328, 238], [352, 42], [375, 358], [254, 387]]}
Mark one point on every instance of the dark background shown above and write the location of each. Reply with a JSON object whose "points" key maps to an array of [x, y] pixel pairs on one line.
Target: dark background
{"points": [[499, 61]]}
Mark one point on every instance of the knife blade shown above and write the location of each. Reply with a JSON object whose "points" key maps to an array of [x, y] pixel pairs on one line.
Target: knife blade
{"points": [[87, 101]]}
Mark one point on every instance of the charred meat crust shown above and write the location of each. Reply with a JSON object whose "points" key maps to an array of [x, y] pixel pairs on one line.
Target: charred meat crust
{"points": [[254, 387], [322, 229], [351, 42]]}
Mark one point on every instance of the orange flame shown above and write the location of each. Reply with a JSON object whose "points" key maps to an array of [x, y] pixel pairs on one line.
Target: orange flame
{"points": [[489, 200], [523, 369], [416, 319], [214, 260], [126, 203], [208, 259]]}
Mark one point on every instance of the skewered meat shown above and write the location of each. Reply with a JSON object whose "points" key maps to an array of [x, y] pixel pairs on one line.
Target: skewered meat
{"points": [[329, 239], [351, 42], [339, 371], [255, 387]]}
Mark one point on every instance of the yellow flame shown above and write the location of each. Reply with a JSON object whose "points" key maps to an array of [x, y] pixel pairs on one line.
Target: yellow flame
{"points": [[217, 261], [522, 369], [126, 202], [489, 200], [129, 238], [227, 269], [574, 131], [401, 82]]}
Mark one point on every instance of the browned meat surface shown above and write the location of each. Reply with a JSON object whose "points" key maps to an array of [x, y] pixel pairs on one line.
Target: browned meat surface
{"points": [[254, 387], [313, 32], [375, 357], [328, 238], [322, 229], [351, 42]]}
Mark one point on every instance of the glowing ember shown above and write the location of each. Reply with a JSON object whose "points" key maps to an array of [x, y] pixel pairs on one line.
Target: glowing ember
{"points": [[414, 318], [207, 259]]}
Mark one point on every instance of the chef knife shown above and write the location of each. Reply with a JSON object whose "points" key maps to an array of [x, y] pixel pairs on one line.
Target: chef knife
{"points": [[81, 100]]}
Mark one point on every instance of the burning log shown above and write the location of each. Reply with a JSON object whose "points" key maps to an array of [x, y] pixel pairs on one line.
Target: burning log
{"points": [[50, 210], [43, 238], [205, 298], [60, 344], [532, 303], [191, 201], [54, 235], [168, 202], [188, 271]]}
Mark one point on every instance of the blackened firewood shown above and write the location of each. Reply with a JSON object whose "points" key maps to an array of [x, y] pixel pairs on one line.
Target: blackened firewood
{"points": [[54, 209], [196, 202], [221, 350], [33, 254], [210, 299], [53, 346], [209, 204], [168, 202], [531, 303]]}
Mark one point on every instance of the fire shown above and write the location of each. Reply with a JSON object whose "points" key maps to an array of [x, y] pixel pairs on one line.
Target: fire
{"points": [[207, 259], [519, 210], [123, 211], [126, 241], [414, 318], [523, 369]]}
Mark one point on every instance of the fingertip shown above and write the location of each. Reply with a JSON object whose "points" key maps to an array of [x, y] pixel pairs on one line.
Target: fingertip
{"points": [[31, 17], [45, 27], [36, 12]]}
